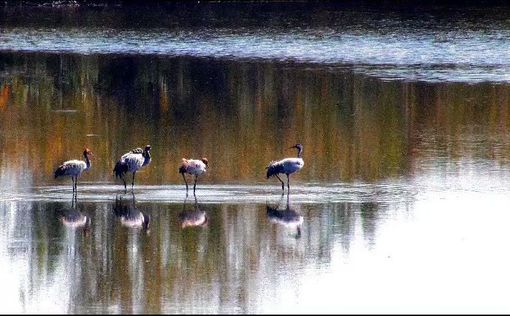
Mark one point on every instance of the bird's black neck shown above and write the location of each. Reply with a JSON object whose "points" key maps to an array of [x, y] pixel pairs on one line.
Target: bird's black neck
{"points": [[87, 161], [147, 155], [300, 151]]}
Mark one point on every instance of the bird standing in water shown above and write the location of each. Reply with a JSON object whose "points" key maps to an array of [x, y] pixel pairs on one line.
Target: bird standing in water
{"points": [[132, 162], [287, 166], [194, 167], [74, 168]]}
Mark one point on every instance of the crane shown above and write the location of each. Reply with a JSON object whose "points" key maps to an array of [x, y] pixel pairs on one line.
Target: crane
{"points": [[132, 161], [74, 168], [287, 166], [195, 167]]}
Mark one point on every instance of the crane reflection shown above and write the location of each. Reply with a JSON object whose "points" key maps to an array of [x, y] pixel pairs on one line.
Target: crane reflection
{"points": [[286, 217], [193, 217], [130, 216]]}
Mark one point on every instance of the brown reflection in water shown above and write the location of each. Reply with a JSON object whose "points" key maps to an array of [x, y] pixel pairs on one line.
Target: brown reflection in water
{"points": [[241, 115]]}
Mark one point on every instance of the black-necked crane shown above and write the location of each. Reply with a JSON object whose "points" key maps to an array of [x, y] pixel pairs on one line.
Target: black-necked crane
{"points": [[131, 162], [287, 166], [195, 167], [74, 168]]}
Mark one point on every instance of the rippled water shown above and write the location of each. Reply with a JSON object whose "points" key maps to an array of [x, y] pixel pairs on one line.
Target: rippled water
{"points": [[472, 57], [469, 47]]}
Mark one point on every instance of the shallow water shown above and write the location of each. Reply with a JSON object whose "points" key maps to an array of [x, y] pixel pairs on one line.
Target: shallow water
{"points": [[401, 205]]}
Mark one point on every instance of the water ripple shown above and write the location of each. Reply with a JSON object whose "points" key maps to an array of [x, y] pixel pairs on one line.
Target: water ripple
{"points": [[439, 55]]}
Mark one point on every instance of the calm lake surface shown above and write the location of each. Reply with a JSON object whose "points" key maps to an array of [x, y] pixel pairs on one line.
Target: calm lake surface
{"points": [[402, 205]]}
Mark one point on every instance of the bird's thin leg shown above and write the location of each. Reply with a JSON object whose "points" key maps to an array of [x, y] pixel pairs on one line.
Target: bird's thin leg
{"points": [[186, 182], [283, 184], [133, 183], [195, 185], [125, 188], [288, 183]]}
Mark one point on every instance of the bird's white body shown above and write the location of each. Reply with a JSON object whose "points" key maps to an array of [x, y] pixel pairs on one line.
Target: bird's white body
{"points": [[194, 166], [74, 168], [133, 161], [290, 165], [286, 166]]}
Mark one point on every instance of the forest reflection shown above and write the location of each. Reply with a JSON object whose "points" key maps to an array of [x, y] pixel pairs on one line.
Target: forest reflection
{"points": [[241, 115]]}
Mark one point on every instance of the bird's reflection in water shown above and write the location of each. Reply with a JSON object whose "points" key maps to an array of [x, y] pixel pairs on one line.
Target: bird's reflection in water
{"points": [[130, 216], [193, 216], [286, 217], [73, 218]]}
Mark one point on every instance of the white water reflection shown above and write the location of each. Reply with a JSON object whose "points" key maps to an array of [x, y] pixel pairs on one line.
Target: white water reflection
{"points": [[301, 193], [447, 255]]}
